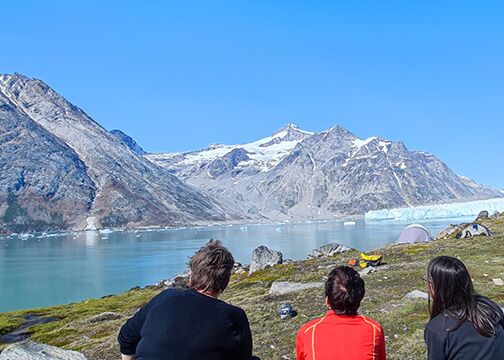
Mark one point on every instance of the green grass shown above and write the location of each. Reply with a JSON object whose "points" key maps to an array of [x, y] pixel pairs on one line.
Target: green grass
{"points": [[403, 321]]}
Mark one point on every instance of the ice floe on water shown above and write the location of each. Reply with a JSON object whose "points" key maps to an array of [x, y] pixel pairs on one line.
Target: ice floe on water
{"points": [[453, 210]]}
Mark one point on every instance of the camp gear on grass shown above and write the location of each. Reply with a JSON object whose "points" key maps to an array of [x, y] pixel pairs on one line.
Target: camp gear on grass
{"points": [[353, 262], [474, 229], [285, 311], [370, 260], [413, 234]]}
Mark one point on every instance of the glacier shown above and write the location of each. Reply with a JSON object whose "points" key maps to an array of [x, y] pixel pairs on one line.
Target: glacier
{"points": [[439, 211]]}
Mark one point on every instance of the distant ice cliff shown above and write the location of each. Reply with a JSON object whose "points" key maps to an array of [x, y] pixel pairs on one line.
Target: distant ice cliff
{"points": [[471, 208]]}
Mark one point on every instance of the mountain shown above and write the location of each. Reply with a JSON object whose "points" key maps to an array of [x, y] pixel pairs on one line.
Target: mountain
{"points": [[60, 168], [297, 174], [127, 141], [42, 179]]}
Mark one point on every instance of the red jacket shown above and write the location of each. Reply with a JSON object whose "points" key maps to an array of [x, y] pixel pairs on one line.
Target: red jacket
{"points": [[340, 337]]}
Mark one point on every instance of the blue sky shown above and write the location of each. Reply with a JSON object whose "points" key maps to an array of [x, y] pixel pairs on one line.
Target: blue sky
{"points": [[181, 75]]}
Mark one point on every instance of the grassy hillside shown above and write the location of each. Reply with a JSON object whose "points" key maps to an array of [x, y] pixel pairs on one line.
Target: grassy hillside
{"points": [[83, 328]]}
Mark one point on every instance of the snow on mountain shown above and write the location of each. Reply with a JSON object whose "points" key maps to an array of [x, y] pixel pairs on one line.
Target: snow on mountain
{"points": [[296, 174], [453, 210], [262, 155]]}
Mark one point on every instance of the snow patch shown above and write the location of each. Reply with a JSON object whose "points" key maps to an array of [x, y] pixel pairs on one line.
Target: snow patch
{"points": [[261, 157], [358, 143]]}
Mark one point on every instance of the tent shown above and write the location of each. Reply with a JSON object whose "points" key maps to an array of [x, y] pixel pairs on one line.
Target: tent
{"points": [[414, 233], [474, 230]]}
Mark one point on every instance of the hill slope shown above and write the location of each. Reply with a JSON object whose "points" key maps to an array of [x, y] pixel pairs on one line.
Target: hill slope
{"points": [[83, 328]]}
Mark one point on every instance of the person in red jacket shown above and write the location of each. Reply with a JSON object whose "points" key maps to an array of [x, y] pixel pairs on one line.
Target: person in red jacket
{"points": [[342, 334]]}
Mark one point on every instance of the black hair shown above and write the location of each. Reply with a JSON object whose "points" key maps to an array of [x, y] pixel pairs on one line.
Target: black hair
{"points": [[345, 290], [453, 293]]}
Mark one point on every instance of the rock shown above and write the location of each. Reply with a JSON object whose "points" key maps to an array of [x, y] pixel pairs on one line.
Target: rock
{"points": [[105, 316], [328, 250], [180, 281], [482, 215], [92, 224], [416, 294], [238, 268], [372, 269], [262, 257], [285, 287], [29, 350], [367, 270], [498, 282], [495, 215]]}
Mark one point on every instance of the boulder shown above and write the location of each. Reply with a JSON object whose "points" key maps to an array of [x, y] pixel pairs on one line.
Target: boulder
{"points": [[180, 281], [416, 294], [29, 350], [285, 287], [328, 250], [262, 257], [238, 268], [495, 215], [482, 215]]}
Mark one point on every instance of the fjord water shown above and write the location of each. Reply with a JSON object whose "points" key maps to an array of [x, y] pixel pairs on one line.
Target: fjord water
{"points": [[61, 268]]}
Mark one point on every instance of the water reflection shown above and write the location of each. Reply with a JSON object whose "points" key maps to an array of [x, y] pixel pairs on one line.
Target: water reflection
{"points": [[59, 268]]}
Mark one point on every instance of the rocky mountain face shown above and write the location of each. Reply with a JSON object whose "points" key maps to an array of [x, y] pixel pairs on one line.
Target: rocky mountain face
{"points": [[128, 141], [60, 167], [296, 174]]}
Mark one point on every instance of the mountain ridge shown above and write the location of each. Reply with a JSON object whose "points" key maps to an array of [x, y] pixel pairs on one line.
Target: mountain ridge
{"points": [[368, 174], [87, 176], [130, 190]]}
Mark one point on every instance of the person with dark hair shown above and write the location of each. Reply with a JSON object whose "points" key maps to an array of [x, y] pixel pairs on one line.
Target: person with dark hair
{"points": [[463, 325], [342, 333], [191, 324]]}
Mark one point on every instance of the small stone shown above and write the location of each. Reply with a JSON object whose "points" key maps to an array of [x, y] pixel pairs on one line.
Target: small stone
{"points": [[367, 270], [285, 287], [416, 294], [498, 282], [105, 316]]}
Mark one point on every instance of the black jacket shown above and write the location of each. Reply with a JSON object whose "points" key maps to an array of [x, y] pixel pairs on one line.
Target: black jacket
{"points": [[464, 343], [186, 325]]}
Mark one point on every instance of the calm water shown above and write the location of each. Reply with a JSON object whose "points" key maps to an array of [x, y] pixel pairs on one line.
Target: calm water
{"points": [[41, 271]]}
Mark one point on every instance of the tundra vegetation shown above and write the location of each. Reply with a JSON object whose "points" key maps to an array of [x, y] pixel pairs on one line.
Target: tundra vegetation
{"points": [[91, 326]]}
